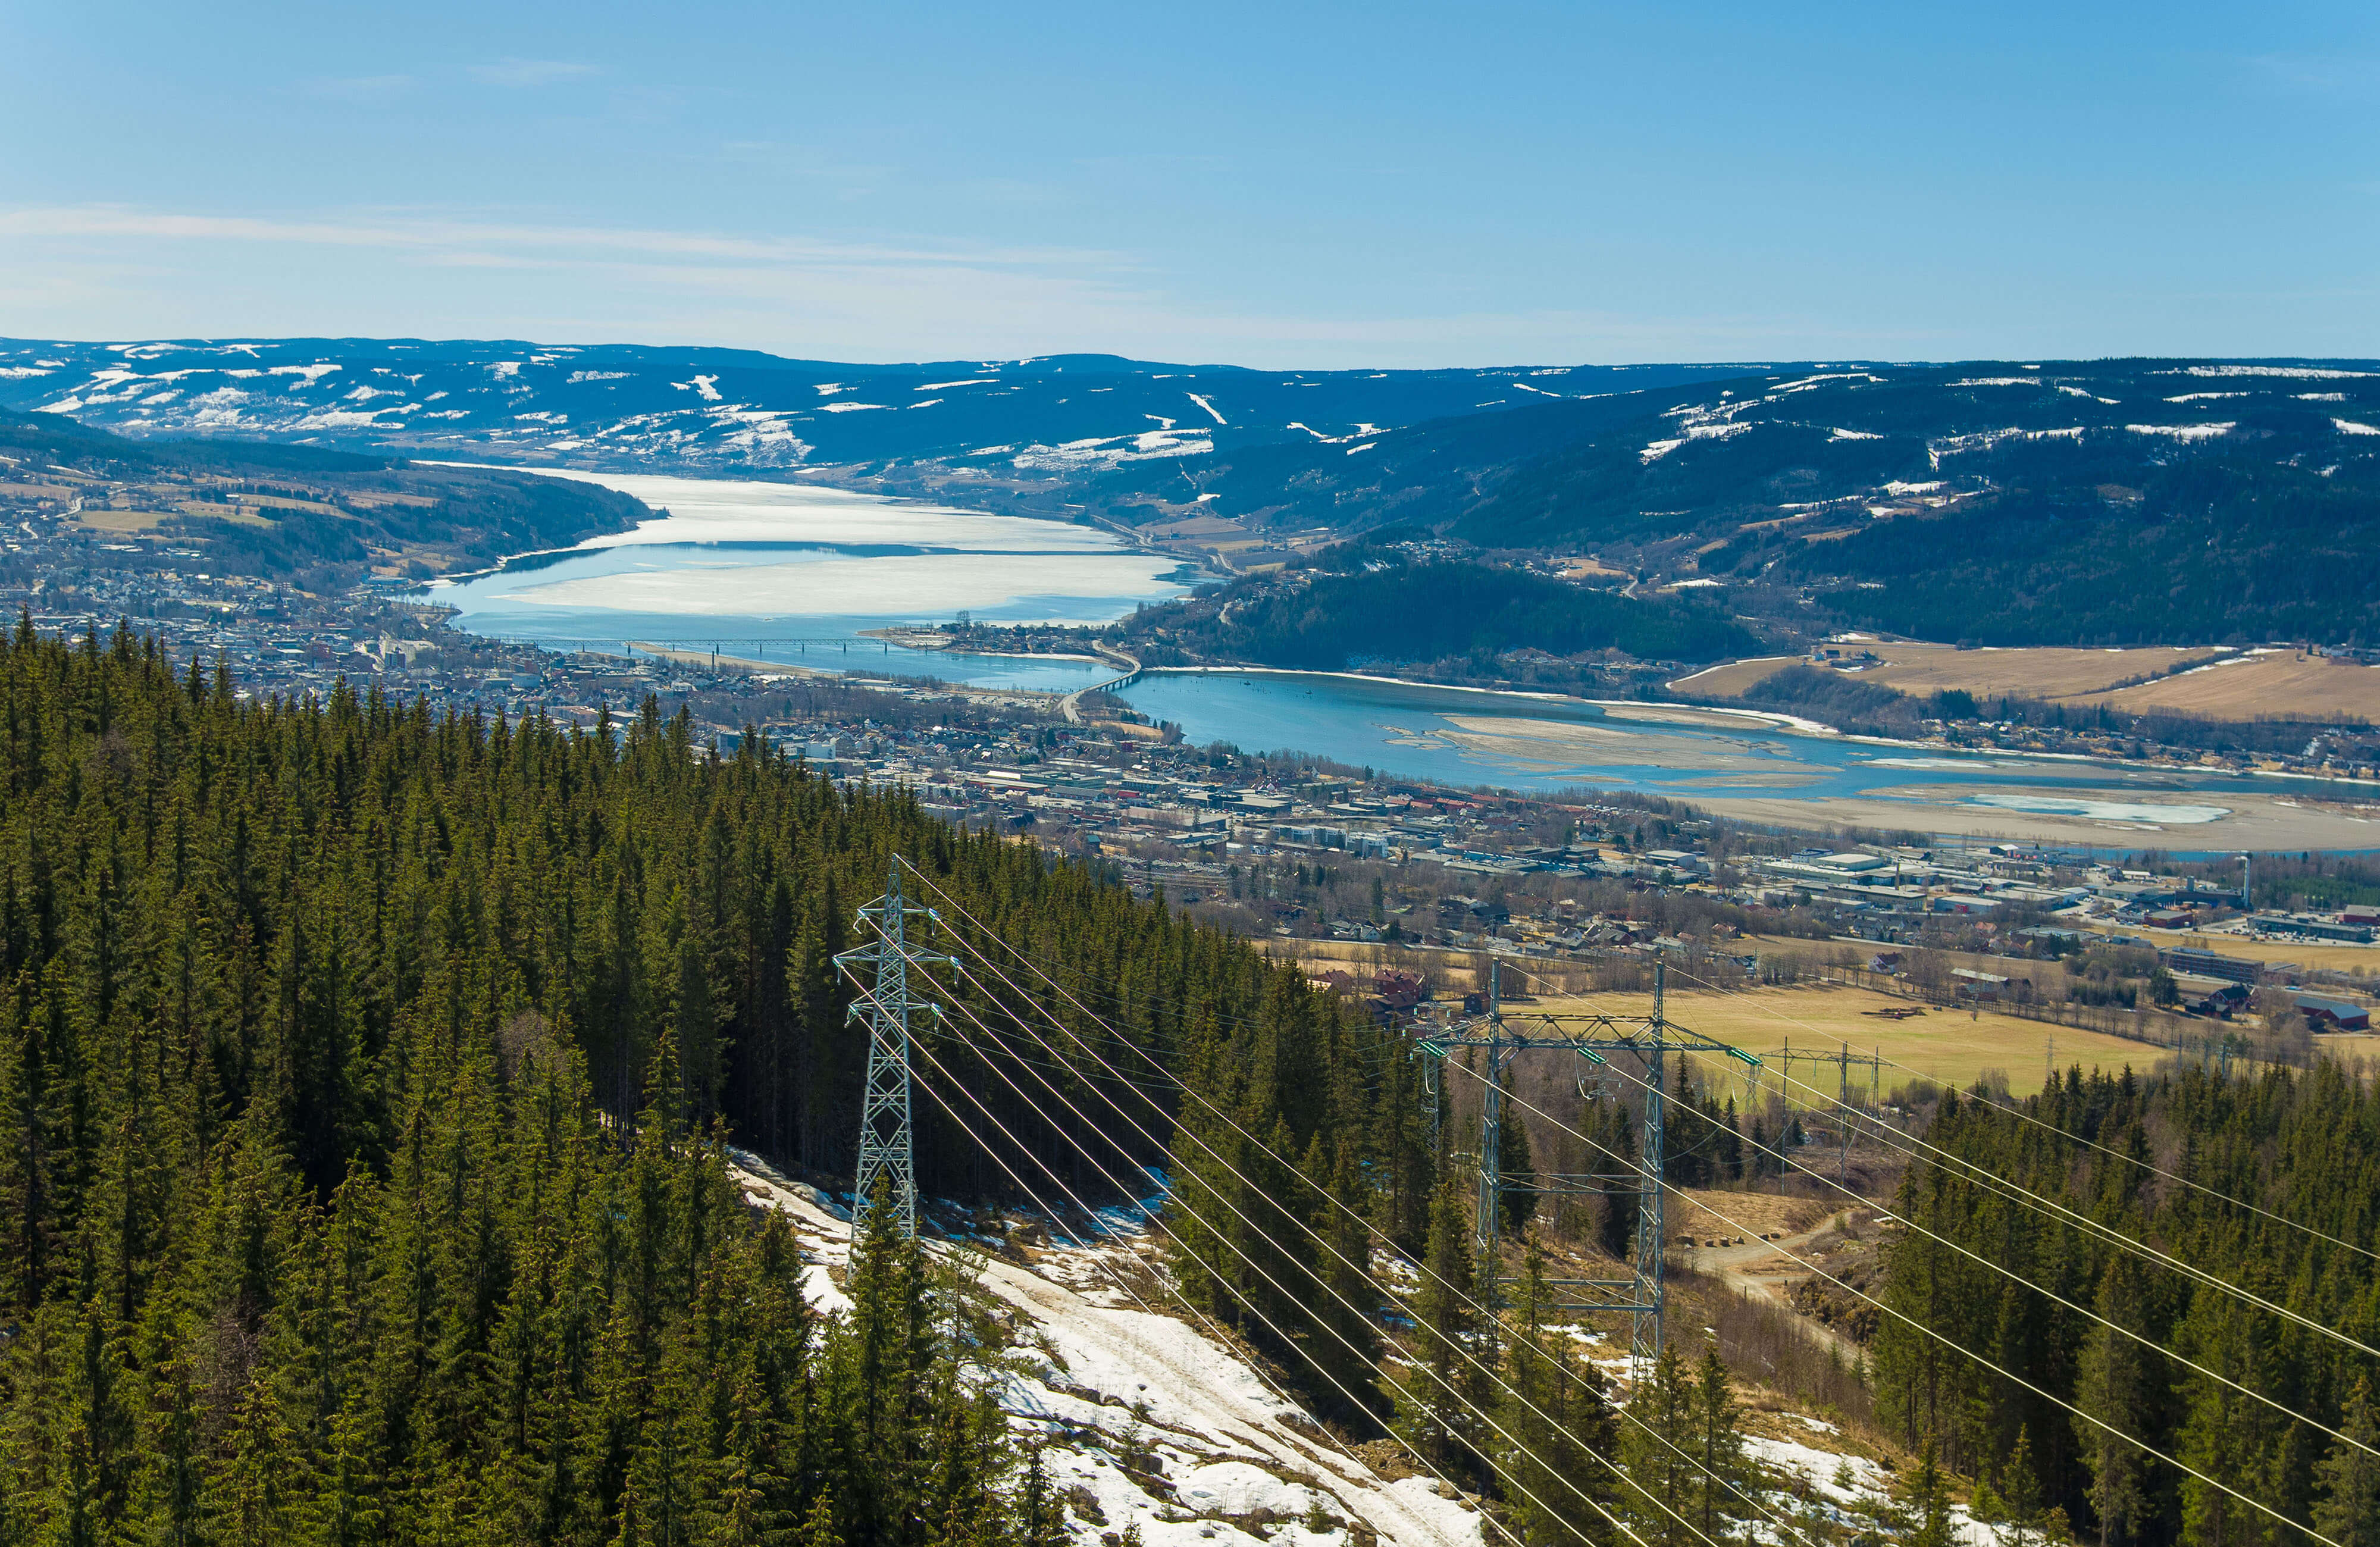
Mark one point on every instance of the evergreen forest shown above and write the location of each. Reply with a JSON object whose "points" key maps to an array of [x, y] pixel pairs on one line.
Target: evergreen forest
{"points": [[365, 1075], [372, 1082], [2273, 1151]]}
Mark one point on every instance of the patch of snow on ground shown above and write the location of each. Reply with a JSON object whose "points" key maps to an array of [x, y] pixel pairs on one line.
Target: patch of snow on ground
{"points": [[1809, 382], [2349, 427], [2184, 432], [2297, 372], [1818, 1467], [1117, 1382], [1113, 451], [1208, 407], [821, 1291], [1840, 434]]}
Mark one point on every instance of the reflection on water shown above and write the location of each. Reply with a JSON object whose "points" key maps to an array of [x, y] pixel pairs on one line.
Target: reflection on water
{"points": [[1522, 741]]}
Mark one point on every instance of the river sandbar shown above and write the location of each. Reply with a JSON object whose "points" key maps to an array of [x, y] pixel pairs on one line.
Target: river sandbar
{"points": [[2252, 820]]}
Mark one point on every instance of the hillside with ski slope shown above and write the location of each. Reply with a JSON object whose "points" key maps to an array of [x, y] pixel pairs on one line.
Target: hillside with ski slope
{"points": [[2005, 503]]}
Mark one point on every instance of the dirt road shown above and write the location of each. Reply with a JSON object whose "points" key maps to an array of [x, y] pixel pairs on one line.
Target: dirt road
{"points": [[1764, 1270]]}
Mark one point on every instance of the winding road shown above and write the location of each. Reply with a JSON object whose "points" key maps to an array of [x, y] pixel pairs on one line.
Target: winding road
{"points": [[1762, 1270]]}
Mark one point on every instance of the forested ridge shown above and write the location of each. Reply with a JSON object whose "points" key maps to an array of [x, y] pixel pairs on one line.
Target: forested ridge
{"points": [[1452, 615], [363, 1075], [2302, 1146]]}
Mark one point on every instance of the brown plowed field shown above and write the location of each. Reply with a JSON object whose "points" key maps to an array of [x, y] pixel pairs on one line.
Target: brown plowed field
{"points": [[2281, 685]]}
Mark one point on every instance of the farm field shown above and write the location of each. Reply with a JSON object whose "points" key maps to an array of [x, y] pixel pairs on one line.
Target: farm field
{"points": [[102, 520], [2282, 684], [2335, 958], [1917, 667], [1949, 1046], [2350, 1047], [2277, 683]]}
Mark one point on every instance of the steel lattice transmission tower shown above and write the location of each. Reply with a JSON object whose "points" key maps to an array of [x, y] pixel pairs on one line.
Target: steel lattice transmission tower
{"points": [[886, 1150], [1644, 1294]]}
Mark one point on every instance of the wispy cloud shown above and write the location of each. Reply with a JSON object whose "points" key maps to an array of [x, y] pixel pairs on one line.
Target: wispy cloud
{"points": [[121, 271], [413, 231], [529, 72]]}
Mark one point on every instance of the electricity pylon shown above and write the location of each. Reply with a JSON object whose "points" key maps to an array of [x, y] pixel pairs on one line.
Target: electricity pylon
{"points": [[1644, 1294], [887, 1147]]}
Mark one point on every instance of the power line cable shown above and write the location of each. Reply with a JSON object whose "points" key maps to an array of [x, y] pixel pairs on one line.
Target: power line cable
{"points": [[1319, 1238], [2016, 1192], [1819, 1272], [1121, 1282], [2171, 1356], [1287, 1342], [2005, 1374]]}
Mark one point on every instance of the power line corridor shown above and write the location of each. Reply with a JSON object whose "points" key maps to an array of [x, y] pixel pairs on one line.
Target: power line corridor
{"points": [[1123, 1128]]}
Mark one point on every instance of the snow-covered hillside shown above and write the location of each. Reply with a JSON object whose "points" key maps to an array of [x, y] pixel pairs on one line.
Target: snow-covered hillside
{"points": [[626, 408], [1149, 1421]]}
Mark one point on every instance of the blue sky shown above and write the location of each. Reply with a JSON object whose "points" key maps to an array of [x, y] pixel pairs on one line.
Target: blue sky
{"points": [[1383, 185]]}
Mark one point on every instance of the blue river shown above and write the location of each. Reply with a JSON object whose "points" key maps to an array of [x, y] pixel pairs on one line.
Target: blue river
{"points": [[800, 574]]}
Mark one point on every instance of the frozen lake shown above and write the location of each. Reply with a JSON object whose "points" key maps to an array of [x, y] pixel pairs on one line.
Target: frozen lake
{"points": [[796, 572]]}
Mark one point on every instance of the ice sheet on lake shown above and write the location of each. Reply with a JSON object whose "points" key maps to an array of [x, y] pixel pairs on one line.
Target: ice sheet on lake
{"points": [[2101, 811], [1079, 587], [745, 510]]}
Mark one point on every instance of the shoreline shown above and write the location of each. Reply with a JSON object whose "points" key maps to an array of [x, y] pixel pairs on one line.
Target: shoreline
{"points": [[1792, 724]]}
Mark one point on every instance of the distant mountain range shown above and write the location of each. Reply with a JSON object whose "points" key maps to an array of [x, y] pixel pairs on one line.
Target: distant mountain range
{"points": [[725, 410], [2005, 503], [2038, 502]]}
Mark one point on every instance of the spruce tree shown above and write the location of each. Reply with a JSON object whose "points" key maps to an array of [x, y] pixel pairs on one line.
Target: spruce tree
{"points": [[1928, 1501], [1556, 1467], [1723, 1477], [1443, 1393], [1662, 1498], [2349, 1474]]}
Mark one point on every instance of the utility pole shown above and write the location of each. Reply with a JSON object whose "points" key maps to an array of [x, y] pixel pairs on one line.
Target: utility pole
{"points": [[1844, 1099], [887, 1145]]}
